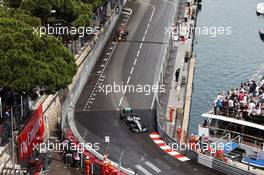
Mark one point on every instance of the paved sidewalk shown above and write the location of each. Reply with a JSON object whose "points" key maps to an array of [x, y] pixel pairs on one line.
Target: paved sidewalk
{"points": [[176, 95]]}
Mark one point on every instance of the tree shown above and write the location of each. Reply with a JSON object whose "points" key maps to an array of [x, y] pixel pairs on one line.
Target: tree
{"points": [[29, 62], [38, 8], [13, 3], [69, 10], [94, 3]]}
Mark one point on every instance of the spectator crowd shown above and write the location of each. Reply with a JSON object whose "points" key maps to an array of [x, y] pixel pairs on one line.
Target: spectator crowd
{"points": [[245, 102]]}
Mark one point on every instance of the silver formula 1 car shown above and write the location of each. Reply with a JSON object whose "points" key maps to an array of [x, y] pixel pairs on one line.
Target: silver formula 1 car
{"points": [[133, 121]]}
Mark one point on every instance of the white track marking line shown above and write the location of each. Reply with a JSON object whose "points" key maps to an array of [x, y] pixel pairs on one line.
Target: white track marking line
{"points": [[135, 62], [146, 31], [101, 73], [132, 70], [143, 39], [153, 101], [120, 102], [140, 47], [138, 53], [128, 80], [148, 25], [143, 170], [153, 167]]}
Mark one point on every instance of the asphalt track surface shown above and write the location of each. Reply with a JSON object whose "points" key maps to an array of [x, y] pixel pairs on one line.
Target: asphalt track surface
{"points": [[133, 62]]}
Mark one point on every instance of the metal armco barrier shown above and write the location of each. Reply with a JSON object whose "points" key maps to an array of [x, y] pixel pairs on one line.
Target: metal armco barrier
{"points": [[106, 169], [227, 169], [205, 160], [72, 97]]}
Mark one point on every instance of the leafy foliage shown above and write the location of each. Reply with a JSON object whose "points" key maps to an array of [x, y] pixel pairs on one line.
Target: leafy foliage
{"points": [[74, 12], [29, 62]]}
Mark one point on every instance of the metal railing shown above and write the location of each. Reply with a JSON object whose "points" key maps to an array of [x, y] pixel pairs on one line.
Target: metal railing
{"points": [[246, 139]]}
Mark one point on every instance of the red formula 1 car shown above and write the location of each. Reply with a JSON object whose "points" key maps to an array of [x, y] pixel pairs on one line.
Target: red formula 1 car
{"points": [[121, 33]]}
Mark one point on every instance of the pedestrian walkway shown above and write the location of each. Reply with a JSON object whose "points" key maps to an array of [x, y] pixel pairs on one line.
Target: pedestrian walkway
{"points": [[180, 90]]}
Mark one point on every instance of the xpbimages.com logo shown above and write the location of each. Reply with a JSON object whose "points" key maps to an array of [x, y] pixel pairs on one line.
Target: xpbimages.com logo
{"points": [[66, 145], [145, 89], [62, 30], [210, 147], [212, 31]]}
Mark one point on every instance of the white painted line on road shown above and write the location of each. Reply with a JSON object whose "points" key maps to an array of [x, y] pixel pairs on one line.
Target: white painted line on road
{"points": [[120, 102], [146, 31], [153, 101], [138, 53], [148, 25], [143, 39], [140, 47], [135, 62], [132, 70], [109, 55], [153, 167], [128, 80], [153, 11], [143, 170]]}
